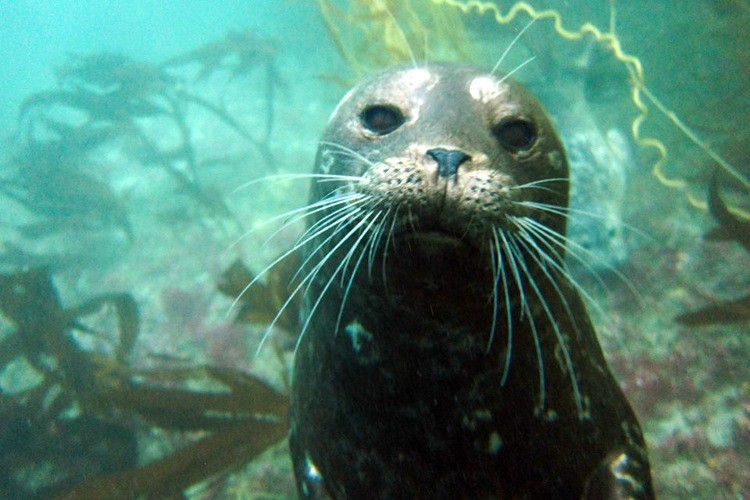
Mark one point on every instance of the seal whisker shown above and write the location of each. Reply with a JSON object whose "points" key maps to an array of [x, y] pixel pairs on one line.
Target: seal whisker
{"points": [[311, 313], [566, 211], [511, 45], [301, 212], [339, 223], [583, 256], [558, 245], [277, 177], [535, 227], [387, 246], [496, 262], [412, 58], [365, 231], [517, 261], [532, 227], [508, 310], [346, 200], [517, 68], [538, 255], [351, 252], [349, 151], [308, 278], [297, 246], [347, 205], [375, 242], [537, 185], [335, 219]]}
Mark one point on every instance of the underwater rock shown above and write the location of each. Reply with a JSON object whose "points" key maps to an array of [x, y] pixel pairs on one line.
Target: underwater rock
{"points": [[599, 165]]}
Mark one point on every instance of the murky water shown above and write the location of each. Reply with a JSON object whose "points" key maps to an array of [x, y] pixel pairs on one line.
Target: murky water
{"points": [[131, 133]]}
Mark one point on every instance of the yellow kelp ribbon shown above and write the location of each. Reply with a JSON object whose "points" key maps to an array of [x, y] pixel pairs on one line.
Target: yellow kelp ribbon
{"points": [[637, 85], [375, 34]]}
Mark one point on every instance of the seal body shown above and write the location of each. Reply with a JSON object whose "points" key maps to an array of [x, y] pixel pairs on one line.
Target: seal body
{"points": [[445, 352]]}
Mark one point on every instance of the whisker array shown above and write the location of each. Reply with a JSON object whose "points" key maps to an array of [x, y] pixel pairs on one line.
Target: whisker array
{"points": [[511, 45], [542, 259]]}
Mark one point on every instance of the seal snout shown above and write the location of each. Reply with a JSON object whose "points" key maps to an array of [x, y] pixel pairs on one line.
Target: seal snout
{"points": [[448, 160]]}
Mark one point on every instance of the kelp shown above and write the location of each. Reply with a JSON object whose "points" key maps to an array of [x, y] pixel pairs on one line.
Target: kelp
{"points": [[238, 54], [43, 331], [731, 228], [108, 99], [372, 34], [58, 416], [642, 97], [84, 446], [265, 302], [49, 179], [243, 420], [90, 404], [112, 93]]}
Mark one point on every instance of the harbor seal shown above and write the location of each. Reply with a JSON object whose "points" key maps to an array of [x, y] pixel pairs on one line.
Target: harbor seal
{"points": [[445, 352]]}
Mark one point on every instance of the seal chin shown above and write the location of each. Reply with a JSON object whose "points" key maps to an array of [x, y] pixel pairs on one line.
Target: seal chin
{"points": [[437, 240], [435, 244]]}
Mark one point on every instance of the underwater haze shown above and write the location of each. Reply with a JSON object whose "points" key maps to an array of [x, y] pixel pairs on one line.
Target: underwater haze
{"points": [[150, 171]]}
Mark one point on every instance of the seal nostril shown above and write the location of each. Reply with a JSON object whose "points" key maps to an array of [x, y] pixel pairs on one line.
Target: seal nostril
{"points": [[448, 160]]}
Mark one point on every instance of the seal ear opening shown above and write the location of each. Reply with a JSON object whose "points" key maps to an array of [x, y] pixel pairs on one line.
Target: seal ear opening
{"points": [[381, 119], [515, 134]]}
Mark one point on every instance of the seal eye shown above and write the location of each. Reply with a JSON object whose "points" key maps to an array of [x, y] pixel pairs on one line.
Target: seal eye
{"points": [[515, 135], [381, 119]]}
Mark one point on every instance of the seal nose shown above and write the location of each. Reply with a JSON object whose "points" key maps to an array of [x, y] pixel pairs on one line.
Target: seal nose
{"points": [[448, 160]]}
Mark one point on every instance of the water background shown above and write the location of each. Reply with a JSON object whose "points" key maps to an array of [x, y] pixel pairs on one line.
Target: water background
{"points": [[689, 384]]}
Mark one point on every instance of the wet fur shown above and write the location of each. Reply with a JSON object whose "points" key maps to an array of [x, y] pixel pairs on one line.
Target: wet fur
{"points": [[445, 350]]}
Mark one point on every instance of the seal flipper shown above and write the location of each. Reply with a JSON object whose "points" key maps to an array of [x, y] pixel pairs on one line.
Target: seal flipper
{"points": [[310, 485], [617, 477]]}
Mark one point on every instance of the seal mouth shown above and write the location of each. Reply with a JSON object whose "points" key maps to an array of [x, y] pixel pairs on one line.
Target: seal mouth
{"points": [[438, 231], [435, 242]]}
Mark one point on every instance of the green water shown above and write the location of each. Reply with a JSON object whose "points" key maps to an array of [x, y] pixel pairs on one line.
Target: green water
{"points": [[153, 206]]}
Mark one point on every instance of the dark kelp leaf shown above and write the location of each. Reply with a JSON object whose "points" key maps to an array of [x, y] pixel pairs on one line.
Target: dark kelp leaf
{"points": [[234, 279], [255, 305], [222, 451], [30, 301], [248, 397], [730, 311], [262, 302], [128, 319], [731, 228]]}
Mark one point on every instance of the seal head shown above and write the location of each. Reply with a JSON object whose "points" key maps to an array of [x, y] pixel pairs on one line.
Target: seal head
{"points": [[448, 143], [445, 351]]}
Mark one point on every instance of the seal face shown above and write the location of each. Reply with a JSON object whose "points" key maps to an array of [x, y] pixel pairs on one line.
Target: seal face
{"points": [[445, 352]]}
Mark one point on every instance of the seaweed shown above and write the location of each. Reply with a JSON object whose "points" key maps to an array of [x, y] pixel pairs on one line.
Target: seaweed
{"points": [[270, 302], [243, 421], [374, 34], [43, 332], [54, 419], [238, 54], [48, 179], [111, 100], [731, 228], [35, 450], [112, 93], [89, 405]]}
